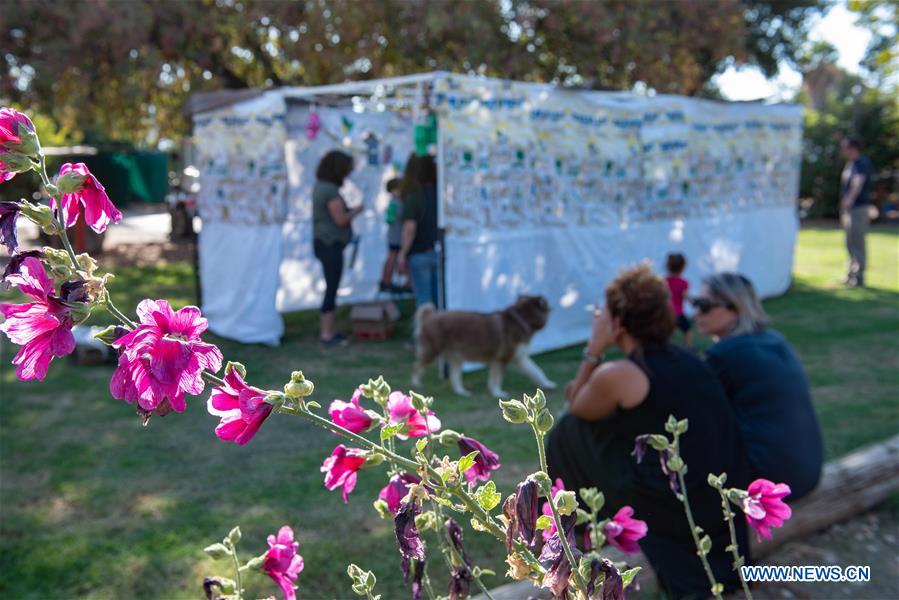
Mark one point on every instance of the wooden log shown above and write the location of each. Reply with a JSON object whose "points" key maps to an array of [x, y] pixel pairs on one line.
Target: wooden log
{"points": [[849, 485]]}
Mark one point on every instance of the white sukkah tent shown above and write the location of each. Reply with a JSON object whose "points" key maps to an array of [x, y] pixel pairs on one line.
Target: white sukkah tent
{"points": [[541, 190]]}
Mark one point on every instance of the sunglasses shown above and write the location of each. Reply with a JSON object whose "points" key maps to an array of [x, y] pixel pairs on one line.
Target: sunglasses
{"points": [[705, 305]]}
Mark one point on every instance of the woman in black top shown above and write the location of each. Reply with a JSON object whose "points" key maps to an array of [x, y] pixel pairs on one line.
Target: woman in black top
{"points": [[610, 403], [765, 382]]}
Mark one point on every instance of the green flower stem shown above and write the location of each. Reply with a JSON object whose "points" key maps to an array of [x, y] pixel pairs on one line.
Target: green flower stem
{"points": [[59, 216], [686, 502], [115, 312], [427, 583], [578, 578], [212, 378], [236, 571], [734, 548]]}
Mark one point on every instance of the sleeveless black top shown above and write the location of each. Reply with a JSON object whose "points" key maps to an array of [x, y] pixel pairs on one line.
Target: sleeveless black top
{"points": [[598, 454]]}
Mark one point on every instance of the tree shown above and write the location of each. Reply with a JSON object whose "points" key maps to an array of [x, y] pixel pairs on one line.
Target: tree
{"points": [[122, 70]]}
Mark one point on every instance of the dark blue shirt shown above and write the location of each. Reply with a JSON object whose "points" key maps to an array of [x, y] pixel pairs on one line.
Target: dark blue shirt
{"points": [[860, 166], [771, 398]]}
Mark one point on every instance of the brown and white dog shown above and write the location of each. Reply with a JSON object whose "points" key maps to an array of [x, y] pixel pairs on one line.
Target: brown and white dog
{"points": [[495, 338]]}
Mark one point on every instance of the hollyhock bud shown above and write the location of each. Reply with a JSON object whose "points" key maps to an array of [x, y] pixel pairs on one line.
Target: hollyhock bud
{"points": [[282, 563], [396, 490], [513, 411], [559, 486], [299, 386], [9, 213], [485, 462], [242, 409], [543, 422], [40, 215], [350, 415], [341, 467], [764, 506], [566, 502], [17, 133], [407, 536], [87, 192], [623, 532], [13, 163]]}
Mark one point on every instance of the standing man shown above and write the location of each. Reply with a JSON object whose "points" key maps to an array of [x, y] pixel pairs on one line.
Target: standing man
{"points": [[855, 186]]}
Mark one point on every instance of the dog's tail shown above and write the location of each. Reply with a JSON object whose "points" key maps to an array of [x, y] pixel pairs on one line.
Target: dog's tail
{"points": [[421, 314]]}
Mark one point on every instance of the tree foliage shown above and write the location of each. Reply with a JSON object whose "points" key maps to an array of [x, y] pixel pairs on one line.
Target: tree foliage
{"points": [[122, 70]]}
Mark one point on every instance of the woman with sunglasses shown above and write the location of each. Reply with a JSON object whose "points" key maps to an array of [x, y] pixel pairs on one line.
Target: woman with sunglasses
{"points": [[612, 402], [765, 382]]}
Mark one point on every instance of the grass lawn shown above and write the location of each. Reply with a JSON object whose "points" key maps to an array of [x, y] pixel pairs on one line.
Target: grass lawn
{"points": [[95, 506]]}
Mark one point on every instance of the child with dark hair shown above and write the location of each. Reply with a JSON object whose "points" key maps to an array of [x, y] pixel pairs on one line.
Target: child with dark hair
{"points": [[678, 286], [394, 235]]}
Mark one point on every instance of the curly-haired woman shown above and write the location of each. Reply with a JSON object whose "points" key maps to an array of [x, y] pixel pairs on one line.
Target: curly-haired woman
{"points": [[611, 403]]}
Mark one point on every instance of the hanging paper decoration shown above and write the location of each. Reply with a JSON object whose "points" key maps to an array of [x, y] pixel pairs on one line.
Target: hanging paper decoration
{"points": [[345, 125], [421, 137], [313, 125]]}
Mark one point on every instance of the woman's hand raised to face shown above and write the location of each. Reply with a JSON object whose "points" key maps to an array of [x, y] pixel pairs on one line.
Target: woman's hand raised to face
{"points": [[605, 332]]}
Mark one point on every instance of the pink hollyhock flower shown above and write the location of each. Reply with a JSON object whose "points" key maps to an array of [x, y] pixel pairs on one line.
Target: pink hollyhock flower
{"points": [[396, 489], [350, 415], [163, 358], [546, 510], [341, 467], [241, 407], [43, 328], [17, 132], [399, 409], [78, 186], [282, 563], [623, 532], [487, 460], [764, 506]]}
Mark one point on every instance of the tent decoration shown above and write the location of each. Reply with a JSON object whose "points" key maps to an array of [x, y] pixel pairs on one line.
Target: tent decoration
{"points": [[541, 190]]}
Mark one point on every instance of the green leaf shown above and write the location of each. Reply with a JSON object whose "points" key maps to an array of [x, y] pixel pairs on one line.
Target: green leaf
{"points": [[544, 522], [313, 404], [467, 461], [487, 496], [627, 577], [421, 444], [390, 431]]}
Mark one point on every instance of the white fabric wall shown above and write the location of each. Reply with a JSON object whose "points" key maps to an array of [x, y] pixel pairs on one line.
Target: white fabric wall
{"points": [[239, 276], [572, 266], [241, 201]]}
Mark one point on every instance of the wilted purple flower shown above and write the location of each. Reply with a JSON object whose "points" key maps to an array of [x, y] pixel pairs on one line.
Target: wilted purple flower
{"points": [[526, 510], [9, 212], [486, 460], [417, 576], [556, 577], [612, 585], [511, 516], [664, 455], [16, 260], [640, 444], [552, 549], [407, 536], [460, 583], [455, 534]]}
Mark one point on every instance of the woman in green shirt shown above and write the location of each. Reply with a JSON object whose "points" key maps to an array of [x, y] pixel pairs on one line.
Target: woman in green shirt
{"points": [[331, 232]]}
